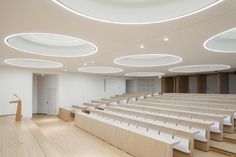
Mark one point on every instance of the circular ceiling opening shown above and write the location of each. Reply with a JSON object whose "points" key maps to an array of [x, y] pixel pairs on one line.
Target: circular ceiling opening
{"points": [[47, 44], [100, 70], [136, 12], [199, 68], [224, 42], [148, 60], [144, 74], [33, 63]]}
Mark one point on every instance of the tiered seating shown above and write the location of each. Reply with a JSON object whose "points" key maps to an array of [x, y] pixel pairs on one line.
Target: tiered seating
{"points": [[184, 134], [216, 129], [191, 122], [223, 108], [233, 96], [201, 139], [213, 100], [132, 96], [229, 114], [133, 141]]}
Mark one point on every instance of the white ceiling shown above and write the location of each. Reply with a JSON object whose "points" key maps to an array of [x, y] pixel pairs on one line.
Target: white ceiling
{"points": [[186, 35]]}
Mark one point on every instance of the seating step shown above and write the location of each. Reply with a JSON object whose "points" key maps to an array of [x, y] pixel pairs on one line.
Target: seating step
{"points": [[224, 147], [230, 136], [48, 148]]}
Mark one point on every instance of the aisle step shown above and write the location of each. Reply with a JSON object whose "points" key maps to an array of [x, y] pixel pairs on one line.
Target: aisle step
{"points": [[47, 147], [230, 136], [225, 147]]}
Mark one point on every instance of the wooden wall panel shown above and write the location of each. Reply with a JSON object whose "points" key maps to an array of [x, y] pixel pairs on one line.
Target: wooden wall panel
{"points": [[181, 84], [167, 85], [222, 83], [201, 83]]}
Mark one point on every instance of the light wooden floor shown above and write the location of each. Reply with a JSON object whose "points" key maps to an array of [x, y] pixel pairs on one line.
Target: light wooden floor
{"points": [[17, 140]]}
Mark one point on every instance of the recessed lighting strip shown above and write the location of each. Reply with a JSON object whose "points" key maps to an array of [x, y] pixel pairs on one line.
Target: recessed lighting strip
{"points": [[48, 44], [233, 30], [32, 63], [100, 70], [66, 5], [148, 60], [199, 68], [144, 74]]}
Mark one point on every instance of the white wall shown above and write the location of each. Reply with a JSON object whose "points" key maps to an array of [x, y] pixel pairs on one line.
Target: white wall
{"points": [[131, 86], [151, 84], [157, 85], [77, 88], [211, 83], [192, 84], [232, 84], [19, 82], [35, 94]]}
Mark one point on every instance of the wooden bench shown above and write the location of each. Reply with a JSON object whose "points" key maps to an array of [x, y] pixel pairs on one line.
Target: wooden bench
{"points": [[197, 102], [201, 141], [183, 134], [202, 95], [228, 122], [224, 101], [216, 132], [101, 102], [130, 140], [209, 105], [220, 97]]}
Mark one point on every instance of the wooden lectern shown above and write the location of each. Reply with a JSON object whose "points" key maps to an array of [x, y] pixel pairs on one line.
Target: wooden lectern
{"points": [[19, 107]]}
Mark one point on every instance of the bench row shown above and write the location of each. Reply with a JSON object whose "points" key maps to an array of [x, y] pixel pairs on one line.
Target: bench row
{"points": [[133, 141]]}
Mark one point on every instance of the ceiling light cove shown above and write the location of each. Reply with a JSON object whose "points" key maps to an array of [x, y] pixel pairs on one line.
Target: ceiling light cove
{"points": [[136, 12], [144, 74], [224, 42], [101, 70], [47, 44], [33, 63], [199, 68], [148, 60]]}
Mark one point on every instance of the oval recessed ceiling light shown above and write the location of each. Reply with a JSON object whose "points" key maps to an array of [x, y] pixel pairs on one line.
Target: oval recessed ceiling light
{"points": [[144, 74], [148, 60], [136, 12], [33, 63], [101, 70], [224, 42], [47, 44], [199, 68]]}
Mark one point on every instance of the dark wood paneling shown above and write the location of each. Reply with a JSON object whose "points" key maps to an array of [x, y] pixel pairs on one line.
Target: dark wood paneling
{"points": [[223, 83], [167, 85], [181, 84], [201, 83]]}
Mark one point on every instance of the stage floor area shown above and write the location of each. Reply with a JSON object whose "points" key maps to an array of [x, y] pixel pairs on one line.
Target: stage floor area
{"points": [[52, 137]]}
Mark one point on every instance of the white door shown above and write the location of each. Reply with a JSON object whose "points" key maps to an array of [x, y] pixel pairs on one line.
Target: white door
{"points": [[51, 101]]}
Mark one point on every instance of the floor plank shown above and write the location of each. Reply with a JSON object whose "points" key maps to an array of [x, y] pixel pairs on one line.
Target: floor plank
{"points": [[74, 141], [16, 139]]}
